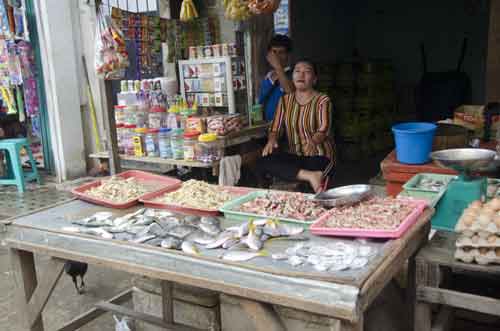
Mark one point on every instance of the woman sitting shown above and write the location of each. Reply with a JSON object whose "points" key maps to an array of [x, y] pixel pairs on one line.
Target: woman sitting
{"points": [[306, 118]]}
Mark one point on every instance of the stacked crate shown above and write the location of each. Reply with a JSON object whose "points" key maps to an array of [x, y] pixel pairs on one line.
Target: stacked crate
{"points": [[364, 101]]}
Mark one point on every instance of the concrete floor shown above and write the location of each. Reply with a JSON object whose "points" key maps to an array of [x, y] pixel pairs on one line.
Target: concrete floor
{"points": [[103, 283]]}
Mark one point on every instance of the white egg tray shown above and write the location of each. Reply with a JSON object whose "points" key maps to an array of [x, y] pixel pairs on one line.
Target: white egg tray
{"points": [[480, 256], [489, 228], [476, 241]]}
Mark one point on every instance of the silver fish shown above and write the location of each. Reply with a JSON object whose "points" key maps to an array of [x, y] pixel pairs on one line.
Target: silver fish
{"points": [[230, 243], [279, 256], [181, 231], [210, 220], [191, 220], [189, 248], [221, 239], [239, 256], [295, 260], [171, 243], [168, 223], [200, 237], [85, 222], [253, 239], [261, 222], [210, 229], [97, 232], [135, 229], [124, 236], [103, 215], [157, 230], [154, 241], [144, 220], [271, 231], [289, 230], [143, 239], [264, 237], [243, 229], [240, 246]]}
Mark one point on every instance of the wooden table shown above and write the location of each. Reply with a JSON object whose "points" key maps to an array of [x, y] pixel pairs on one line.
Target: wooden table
{"points": [[40, 233], [435, 264]]}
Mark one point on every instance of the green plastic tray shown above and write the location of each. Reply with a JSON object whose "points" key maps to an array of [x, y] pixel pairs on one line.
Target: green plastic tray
{"points": [[411, 185], [231, 214]]}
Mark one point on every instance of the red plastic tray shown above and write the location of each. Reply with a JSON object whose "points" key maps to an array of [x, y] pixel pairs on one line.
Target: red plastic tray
{"points": [[156, 182], [318, 229], [148, 201]]}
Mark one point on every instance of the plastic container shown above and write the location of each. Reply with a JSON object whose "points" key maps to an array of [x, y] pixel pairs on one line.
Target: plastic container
{"points": [[130, 113], [208, 149], [414, 141], [141, 116], [190, 142], [177, 144], [172, 118], [151, 143], [164, 146], [128, 139], [120, 130], [120, 114], [139, 142], [156, 117]]}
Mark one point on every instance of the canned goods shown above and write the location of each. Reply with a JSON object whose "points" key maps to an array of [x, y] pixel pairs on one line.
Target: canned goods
{"points": [[192, 52]]}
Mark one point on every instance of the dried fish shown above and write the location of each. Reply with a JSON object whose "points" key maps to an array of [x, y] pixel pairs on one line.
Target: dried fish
{"points": [[117, 189]]}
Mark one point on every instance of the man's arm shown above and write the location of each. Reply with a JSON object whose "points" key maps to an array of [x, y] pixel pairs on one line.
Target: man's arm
{"points": [[285, 83]]}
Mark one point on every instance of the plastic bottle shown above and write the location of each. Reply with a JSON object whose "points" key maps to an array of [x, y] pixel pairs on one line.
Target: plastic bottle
{"points": [[128, 141], [151, 143], [190, 141], [172, 117], [164, 144], [177, 143], [156, 117], [139, 142]]}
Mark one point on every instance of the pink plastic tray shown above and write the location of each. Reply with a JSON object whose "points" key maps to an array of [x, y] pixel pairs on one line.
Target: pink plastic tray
{"points": [[155, 182], [148, 201], [317, 227]]}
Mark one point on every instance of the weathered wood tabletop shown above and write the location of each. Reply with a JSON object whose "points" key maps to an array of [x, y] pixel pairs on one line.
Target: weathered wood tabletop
{"points": [[347, 300]]}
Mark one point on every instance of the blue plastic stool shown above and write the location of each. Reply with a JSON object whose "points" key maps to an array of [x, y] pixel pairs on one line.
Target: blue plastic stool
{"points": [[15, 174]]}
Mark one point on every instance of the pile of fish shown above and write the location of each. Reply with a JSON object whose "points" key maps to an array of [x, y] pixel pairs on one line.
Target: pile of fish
{"points": [[332, 257], [186, 233]]}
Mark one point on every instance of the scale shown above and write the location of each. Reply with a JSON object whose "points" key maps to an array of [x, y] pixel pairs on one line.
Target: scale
{"points": [[466, 187]]}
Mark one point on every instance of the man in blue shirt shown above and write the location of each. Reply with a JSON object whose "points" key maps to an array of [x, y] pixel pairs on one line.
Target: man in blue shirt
{"points": [[278, 81]]}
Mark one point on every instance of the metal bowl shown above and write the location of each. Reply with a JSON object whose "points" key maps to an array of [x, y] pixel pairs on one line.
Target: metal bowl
{"points": [[344, 195], [464, 159]]}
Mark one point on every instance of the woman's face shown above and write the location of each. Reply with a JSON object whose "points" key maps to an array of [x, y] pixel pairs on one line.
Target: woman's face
{"points": [[304, 77]]}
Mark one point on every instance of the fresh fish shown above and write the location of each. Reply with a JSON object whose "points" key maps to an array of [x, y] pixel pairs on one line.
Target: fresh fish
{"points": [[72, 229], [171, 243], [279, 256], [230, 243], [240, 256], [130, 216], [264, 238], [221, 239], [103, 215], [144, 220], [157, 230], [150, 213], [124, 236], [210, 229], [210, 220], [163, 213], [200, 237], [314, 259], [88, 222], [189, 248], [253, 240], [321, 267], [358, 263], [97, 232], [192, 220], [115, 229], [154, 242], [271, 230], [122, 221], [366, 251], [244, 228], [181, 231], [262, 221], [240, 246], [295, 260], [289, 230], [143, 239], [168, 223], [135, 229]]}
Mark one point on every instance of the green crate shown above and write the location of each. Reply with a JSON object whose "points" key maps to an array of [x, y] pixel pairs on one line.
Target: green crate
{"points": [[231, 214], [411, 185]]}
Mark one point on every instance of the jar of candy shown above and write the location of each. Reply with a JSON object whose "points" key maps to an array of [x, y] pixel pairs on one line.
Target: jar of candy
{"points": [[164, 145], [130, 112], [141, 116], [208, 149], [119, 137], [173, 112], [128, 139], [151, 142], [120, 114], [177, 143], [140, 142], [156, 117], [190, 140]]}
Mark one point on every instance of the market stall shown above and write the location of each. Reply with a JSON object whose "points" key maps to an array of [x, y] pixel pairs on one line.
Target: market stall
{"points": [[255, 260]]}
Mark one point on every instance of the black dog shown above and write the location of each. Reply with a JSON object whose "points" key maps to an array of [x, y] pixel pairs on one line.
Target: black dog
{"points": [[74, 269]]}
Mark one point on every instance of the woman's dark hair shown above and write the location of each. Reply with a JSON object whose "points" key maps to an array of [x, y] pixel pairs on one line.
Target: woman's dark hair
{"points": [[309, 62], [280, 40]]}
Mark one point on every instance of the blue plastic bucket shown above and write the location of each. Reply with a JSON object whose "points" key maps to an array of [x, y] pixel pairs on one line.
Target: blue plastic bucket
{"points": [[414, 141]]}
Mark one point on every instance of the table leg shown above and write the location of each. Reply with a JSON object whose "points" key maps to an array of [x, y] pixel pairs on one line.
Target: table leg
{"points": [[23, 267], [423, 316], [167, 293], [263, 316]]}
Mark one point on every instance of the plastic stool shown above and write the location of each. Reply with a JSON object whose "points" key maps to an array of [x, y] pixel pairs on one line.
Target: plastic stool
{"points": [[15, 174]]}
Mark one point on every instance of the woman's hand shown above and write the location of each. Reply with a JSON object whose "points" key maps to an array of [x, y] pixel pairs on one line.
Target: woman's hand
{"points": [[269, 148]]}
